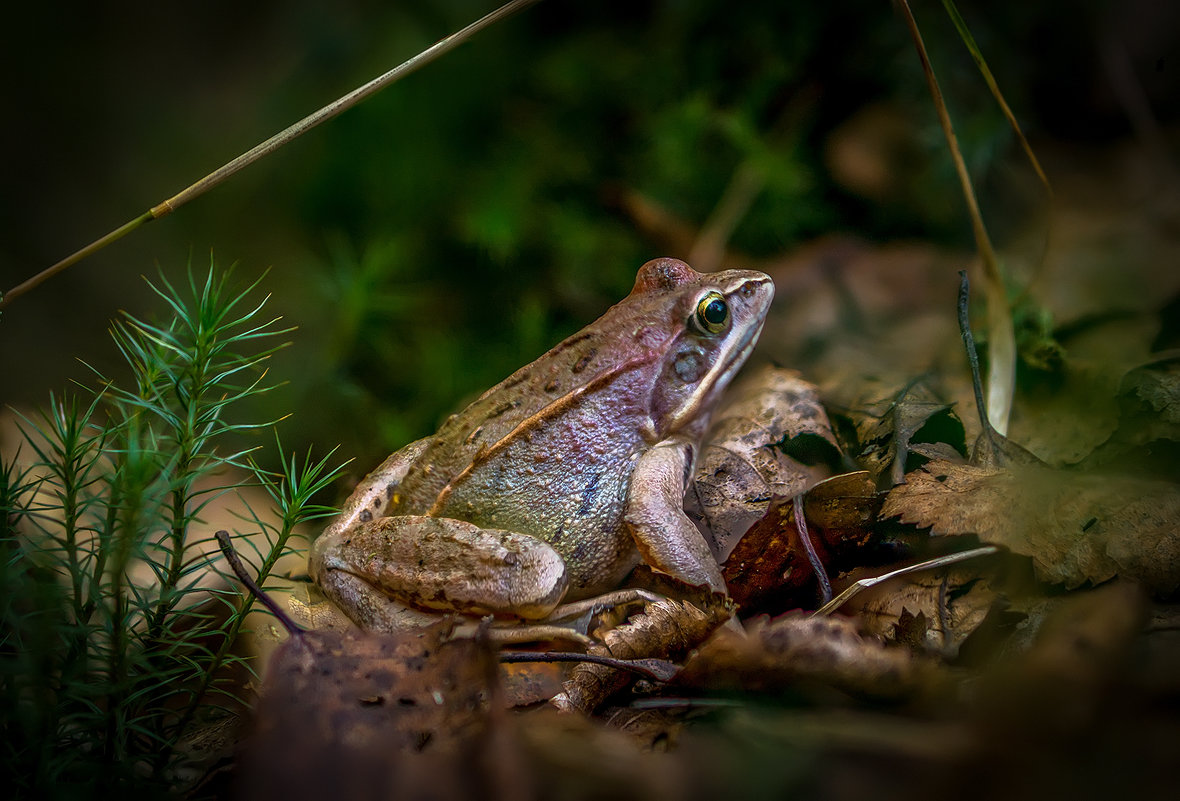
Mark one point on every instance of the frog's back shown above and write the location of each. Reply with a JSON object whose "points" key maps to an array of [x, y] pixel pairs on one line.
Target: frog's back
{"points": [[550, 450]]}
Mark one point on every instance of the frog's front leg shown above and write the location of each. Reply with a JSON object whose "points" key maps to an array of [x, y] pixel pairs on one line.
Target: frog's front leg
{"points": [[667, 539]]}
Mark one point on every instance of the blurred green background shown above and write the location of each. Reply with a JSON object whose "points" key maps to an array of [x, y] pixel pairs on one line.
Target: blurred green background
{"points": [[456, 225]]}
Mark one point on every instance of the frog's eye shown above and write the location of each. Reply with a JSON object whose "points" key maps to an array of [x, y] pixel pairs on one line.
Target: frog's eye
{"points": [[712, 313]]}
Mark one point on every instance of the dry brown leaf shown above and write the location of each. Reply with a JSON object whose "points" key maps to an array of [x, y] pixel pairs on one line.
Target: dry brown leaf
{"points": [[1147, 439], [347, 715], [951, 605], [1077, 527], [913, 414], [843, 509], [1156, 388], [772, 439], [796, 649]]}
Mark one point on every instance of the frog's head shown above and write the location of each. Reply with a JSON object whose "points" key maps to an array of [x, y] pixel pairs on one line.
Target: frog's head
{"points": [[710, 323]]}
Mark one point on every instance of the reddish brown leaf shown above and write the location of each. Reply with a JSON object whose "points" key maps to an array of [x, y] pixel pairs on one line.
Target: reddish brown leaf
{"points": [[770, 565], [770, 560]]}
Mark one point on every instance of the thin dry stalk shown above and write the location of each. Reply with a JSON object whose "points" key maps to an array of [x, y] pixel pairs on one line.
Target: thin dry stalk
{"points": [[1001, 383], [304, 125]]}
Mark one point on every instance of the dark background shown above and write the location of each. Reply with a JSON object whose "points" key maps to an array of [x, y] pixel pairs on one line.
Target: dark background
{"points": [[459, 223]]}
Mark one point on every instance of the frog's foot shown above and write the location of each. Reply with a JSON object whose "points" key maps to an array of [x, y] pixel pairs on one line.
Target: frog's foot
{"points": [[515, 633], [370, 608], [599, 603]]}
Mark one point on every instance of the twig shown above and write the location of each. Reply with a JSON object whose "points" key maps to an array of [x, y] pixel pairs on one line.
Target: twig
{"points": [[864, 584], [991, 447], [1001, 383], [655, 669], [239, 569], [972, 353], [817, 567], [984, 70], [304, 125]]}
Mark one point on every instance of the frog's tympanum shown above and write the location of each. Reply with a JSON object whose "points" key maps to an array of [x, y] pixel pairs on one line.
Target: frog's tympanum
{"points": [[556, 482]]}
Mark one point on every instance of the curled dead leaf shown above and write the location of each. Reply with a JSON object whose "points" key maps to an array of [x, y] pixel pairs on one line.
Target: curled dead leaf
{"points": [[666, 629], [771, 439]]}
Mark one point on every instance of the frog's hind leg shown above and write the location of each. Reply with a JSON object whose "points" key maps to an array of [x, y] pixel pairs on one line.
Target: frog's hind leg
{"points": [[373, 610], [372, 495], [438, 564], [369, 607]]}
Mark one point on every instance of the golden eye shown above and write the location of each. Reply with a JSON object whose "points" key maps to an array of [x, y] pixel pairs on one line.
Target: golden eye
{"points": [[712, 313]]}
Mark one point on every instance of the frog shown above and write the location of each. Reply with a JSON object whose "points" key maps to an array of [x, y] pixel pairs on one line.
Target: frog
{"points": [[552, 486]]}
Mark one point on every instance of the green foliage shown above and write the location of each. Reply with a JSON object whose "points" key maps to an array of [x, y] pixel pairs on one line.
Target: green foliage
{"points": [[117, 623], [478, 200]]}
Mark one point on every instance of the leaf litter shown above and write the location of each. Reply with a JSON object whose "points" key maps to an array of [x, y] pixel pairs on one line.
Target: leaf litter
{"points": [[1076, 527], [1044, 670]]}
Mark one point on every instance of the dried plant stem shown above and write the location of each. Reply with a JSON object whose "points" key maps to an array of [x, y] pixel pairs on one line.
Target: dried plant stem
{"points": [[984, 70], [235, 564], [863, 584], [222, 173], [1001, 384], [75, 257], [817, 565]]}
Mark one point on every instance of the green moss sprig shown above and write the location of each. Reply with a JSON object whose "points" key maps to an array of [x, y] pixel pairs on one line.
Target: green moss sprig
{"points": [[116, 624]]}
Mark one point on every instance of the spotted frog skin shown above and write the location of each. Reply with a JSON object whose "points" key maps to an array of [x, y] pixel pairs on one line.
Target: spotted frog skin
{"points": [[556, 482]]}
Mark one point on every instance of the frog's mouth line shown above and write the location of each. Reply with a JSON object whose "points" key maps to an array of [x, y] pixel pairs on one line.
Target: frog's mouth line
{"points": [[741, 353], [746, 346], [716, 380]]}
